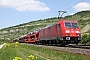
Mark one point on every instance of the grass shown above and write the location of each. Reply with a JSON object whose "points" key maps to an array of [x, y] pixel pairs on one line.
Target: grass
{"points": [[1, 42], [56, 55], [23, 51], [10, 51]]}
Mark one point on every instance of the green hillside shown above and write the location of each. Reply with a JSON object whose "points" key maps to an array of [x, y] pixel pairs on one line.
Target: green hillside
{"points": [[12, 32], [82, 15]]}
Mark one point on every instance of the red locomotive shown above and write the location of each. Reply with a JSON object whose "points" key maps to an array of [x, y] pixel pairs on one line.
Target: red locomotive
{"points": [[63, 32]]}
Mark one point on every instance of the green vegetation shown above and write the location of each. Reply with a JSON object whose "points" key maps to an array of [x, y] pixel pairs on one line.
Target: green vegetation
{"points": [[12, 50], [82, 15], [88, 31], [86, 39], [1, 43]]}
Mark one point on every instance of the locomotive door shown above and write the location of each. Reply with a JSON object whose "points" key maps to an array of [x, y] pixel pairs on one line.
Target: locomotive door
{"points": [[58, 30]]}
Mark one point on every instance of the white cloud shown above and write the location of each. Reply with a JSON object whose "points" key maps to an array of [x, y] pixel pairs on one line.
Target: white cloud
{"points": [[22, 5], [82, 6], [71, 13]]}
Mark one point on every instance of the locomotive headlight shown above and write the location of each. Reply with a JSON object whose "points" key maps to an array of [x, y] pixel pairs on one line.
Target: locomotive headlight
{"points": [[77, 35], [67, 31], [77, 32]]}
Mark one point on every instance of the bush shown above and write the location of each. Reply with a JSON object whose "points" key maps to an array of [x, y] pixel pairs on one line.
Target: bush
{"points": [[88, 43], [86, 39]]}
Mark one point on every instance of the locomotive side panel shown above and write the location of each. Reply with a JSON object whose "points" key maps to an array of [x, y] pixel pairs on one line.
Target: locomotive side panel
{"points": [[53, 30], [46, 33], [41, 34], [59, 31]]}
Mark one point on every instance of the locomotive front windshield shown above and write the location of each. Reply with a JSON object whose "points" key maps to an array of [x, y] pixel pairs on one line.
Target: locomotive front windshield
{"points": [[74, 25], [71, 25]]}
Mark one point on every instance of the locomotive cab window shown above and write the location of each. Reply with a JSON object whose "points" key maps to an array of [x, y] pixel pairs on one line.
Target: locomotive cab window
{"points": [[67, 24], [71, 25], [74, 25]]}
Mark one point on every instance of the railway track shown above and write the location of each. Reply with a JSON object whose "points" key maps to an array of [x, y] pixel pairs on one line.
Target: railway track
{"points": [[78, 46], [71, 49], [82, 47]]}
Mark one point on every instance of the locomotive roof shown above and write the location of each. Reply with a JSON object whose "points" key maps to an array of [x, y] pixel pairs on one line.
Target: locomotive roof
{"points": [[58, 22], [68, 20], [49, 25]]}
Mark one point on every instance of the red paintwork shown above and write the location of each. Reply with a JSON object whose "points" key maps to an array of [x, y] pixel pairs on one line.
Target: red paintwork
{"points": [[31, 38], [72, 30], [59, 29]]}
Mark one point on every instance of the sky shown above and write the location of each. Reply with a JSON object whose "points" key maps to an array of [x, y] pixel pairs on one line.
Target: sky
{"points": [[15, 12]]}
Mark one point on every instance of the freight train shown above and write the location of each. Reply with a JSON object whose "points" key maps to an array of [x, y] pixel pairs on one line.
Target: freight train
{"points": [[63, 32]]}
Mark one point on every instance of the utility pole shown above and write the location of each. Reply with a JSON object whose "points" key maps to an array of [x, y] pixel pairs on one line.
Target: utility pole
{"points": [[60, 15]]}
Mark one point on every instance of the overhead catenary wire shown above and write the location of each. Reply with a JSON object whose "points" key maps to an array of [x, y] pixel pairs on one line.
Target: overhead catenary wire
{"points": [[74, 5], [71, 6], [66, 4], [55, 8], [62, 6]]}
